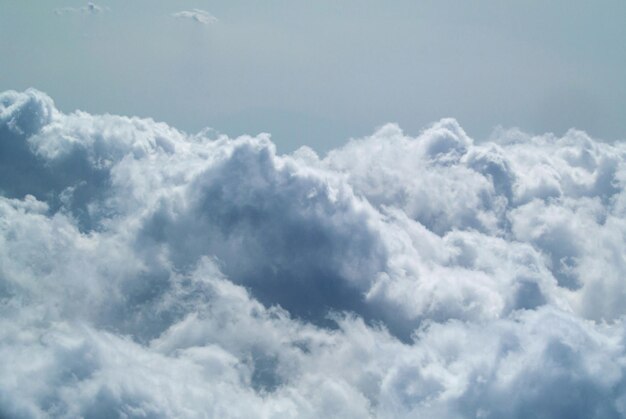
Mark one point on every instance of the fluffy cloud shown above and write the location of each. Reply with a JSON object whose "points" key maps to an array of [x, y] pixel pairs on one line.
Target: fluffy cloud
{"points": [[145, 272], [198, 15]]}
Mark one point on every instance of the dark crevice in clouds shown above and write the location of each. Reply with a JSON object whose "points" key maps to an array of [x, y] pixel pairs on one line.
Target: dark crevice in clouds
{"points": [[145, 272]]}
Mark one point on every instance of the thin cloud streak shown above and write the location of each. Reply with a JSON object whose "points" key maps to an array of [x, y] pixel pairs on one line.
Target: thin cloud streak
{"points": [[197, 15], [90, 8]]}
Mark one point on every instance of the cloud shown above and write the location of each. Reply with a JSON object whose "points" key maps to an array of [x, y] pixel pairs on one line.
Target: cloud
{"points": [[148, 272], [201, 16], [90, 8]]}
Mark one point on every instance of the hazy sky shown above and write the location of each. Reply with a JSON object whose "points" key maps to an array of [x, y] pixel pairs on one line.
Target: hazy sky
{"points": [[317, 73]]}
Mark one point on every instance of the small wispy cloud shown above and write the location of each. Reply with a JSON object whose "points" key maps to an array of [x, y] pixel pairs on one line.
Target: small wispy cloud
{"points": [[90, 8], [201, 16]]}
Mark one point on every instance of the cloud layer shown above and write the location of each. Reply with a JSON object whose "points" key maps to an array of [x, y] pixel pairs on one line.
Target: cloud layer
{"points": [[145, 272]]}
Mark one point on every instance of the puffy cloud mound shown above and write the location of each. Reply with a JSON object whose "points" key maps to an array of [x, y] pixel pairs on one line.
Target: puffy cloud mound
{"points": [[145, 272]]}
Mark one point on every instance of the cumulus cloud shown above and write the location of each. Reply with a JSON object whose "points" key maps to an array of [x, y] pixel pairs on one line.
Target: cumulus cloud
{"points": [[148, 272], [198, 15], [89, 8]]}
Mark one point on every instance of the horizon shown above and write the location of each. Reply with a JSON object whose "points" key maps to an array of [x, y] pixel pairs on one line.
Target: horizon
{"points": [[246, 69]]}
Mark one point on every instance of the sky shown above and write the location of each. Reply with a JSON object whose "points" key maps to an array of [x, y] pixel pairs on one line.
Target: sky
{"points": [[382, 252], [319, 73]]}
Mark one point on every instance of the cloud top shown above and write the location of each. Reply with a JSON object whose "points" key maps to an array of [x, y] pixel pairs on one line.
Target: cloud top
{"points": [[148, 272]]}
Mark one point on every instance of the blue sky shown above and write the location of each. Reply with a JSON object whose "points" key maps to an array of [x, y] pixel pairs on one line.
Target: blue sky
{"points": [[317, 73]]}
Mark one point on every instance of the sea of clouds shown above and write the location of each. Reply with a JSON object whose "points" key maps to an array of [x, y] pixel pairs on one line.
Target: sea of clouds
{"points": [[145, 272]]}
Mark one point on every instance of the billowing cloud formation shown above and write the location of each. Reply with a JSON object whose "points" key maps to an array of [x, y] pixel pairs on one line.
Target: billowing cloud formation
{"points": [[197, 15], [145, 272], [90, 8]]}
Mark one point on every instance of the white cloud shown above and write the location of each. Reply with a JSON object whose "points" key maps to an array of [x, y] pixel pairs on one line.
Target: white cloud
{"points": [[198, 15], [147, 272]]}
